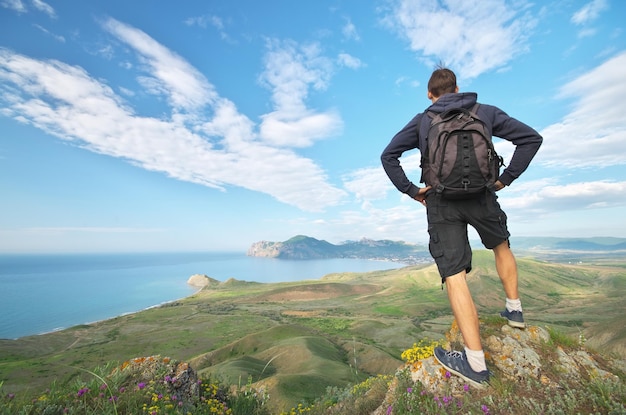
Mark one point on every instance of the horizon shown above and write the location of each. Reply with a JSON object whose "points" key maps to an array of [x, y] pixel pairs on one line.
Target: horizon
{"points": [[196, 127], [476, 245]]}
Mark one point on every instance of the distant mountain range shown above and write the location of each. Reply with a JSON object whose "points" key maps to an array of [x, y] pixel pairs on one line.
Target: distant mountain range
{"points": [[306, 247], [571, 244]]}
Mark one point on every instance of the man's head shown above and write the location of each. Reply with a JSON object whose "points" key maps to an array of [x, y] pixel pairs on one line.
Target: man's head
{"points": [[442, 81]]}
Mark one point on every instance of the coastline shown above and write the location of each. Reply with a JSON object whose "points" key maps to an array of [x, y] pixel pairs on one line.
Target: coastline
{"points": [[129, 313], [45, 294]]}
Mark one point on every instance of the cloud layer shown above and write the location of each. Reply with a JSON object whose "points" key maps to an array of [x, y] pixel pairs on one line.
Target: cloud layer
{"points": [[218, 150], [474, 36]]}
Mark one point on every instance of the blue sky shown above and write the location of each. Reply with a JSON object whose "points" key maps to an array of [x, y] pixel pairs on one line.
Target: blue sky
{"points": [[208, 125]]}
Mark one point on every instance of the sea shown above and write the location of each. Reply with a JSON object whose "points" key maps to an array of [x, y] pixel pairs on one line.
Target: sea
{"points": [[45, 293]]}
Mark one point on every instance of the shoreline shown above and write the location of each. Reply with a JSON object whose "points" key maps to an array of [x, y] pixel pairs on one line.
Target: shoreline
{"points": [[128, 313], [87, 294]]}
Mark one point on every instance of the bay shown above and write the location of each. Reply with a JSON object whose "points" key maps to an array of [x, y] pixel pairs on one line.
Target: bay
{"points": [[44, 293]]}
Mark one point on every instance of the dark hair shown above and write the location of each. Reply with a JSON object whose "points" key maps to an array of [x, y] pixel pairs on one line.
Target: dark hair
{"points": [[442, 81]]}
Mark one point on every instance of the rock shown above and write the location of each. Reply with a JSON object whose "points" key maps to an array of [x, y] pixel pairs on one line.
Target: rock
{"points": [[516, 355], [200, 281], [180, 379], [513, 353]]}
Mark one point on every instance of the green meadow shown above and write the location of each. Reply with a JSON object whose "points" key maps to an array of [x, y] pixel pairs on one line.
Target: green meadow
{"points": [[298, 339]]}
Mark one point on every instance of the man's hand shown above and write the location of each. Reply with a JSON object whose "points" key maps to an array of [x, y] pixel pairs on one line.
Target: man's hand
{"points": [[421, 195], [498, 185]]}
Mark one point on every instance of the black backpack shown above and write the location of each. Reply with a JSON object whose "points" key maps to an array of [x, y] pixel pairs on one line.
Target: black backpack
{"points": [[460, 161]]}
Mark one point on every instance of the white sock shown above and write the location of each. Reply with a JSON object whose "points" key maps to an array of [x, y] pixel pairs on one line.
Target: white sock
{"points": [[476, 359], [513, 305]]}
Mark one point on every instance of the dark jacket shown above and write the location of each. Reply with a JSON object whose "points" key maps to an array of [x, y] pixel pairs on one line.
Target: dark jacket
{"points": [[525, 139]]}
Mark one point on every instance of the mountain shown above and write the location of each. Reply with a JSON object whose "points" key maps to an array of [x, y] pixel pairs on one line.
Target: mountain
{"points": [[592, 244], [306, 247], [547, 248]]}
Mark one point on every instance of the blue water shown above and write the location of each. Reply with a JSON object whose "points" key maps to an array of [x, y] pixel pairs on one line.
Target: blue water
{"points": [[44, 293]]}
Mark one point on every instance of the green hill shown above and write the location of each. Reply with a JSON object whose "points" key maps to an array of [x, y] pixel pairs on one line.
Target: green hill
{"points": [[298, 338]]}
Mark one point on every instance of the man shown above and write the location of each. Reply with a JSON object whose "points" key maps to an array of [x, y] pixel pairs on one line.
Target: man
{"points": [[448, 219]]}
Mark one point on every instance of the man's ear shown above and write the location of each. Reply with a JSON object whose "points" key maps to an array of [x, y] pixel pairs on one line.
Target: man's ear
{"points": [[456, 90], [430, 95]]}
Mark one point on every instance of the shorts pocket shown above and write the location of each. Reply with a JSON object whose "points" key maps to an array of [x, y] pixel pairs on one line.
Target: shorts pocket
{"points": [[435, 248]]}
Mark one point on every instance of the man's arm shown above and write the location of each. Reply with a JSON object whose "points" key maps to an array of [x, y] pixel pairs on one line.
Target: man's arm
{"points": [[526, 140], [406, 139]]}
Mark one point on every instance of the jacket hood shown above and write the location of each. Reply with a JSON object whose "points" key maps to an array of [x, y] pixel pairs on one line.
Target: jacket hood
{"points": [[454, 100]]}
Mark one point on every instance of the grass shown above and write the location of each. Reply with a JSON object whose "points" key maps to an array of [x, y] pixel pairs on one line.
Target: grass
{"points": [[332, 333], [110, 390], [117, 389]]}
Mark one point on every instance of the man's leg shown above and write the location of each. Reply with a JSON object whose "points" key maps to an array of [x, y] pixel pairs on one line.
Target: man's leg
{"points": [[470, 364], [507, 269], [464, 310]]}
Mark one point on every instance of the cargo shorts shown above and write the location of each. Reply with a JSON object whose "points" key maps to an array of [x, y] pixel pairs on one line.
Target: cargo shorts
{"points": [[447, 226]]}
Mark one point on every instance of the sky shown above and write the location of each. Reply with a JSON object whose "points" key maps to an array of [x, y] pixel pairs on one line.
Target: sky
{"points": [[210, 125]]}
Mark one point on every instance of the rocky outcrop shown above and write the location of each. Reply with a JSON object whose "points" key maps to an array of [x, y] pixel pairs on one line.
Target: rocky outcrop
{"points": [[513, 355], [178, 377], [201, 281]]}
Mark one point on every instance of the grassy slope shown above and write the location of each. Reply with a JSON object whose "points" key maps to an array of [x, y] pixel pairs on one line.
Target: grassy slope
{"points": [[299, 338]]}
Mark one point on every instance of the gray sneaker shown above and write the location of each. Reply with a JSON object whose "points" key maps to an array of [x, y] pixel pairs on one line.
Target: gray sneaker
{"points": [[515, 318], [456, 362]]}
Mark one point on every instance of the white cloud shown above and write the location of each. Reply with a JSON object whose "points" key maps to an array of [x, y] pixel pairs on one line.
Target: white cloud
{"points": [[206, 20], [205, 141], [349, 61], [44, 7], [15, 5], [186, 86], [46, 231], [592, 134], [541, 199], [368, 183], [349, 31], [20, 7], [291, 71], [589, 12], [47, 32], [209, 20], [470, 36]]}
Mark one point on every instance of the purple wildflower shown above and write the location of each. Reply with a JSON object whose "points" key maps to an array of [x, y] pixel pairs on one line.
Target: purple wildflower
{"points": [[466, 387], [82, 391], [448, 374], [409, 390], [389, 409], [141, 385], [485, 409]]}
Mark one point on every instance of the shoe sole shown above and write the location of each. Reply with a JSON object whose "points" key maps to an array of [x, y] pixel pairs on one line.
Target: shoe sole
{"points": [[517, 324], [472, 382]]}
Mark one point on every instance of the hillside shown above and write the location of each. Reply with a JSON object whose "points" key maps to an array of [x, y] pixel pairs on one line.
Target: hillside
{"points": [[297, 339]]}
